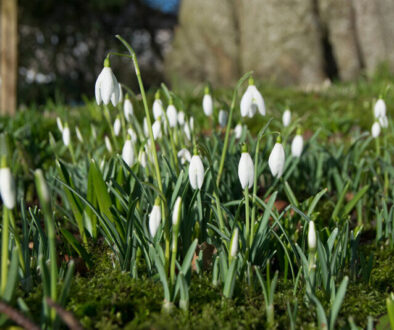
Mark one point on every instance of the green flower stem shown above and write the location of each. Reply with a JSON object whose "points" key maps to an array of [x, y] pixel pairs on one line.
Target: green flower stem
{"points": [[17, 241], [153, 148], [246, 193], [72, 153], [4, 250]]}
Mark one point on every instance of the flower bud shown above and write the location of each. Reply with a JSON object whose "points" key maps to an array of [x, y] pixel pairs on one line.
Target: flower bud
{"points": [[196, 172], [154, 219], [176, 215], [7, 188], [172, 115], [128, 109], [117, 126], [78, 134], [276, 160], [234, 243], [223, 118], [128, 153], [59, 124], [311, 236], [246, 169], [286, 118], [379, 109], [66, 135], [158, 110], [181, 118], [375, 130], [207, 103], [238, 131], [297, 145], [142, 158], [108, 144]]}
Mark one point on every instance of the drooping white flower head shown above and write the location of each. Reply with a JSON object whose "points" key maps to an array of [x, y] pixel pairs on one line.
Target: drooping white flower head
{"points": [[158, 110], [176, 215], [252, 101], [276, 160], [128, 109], [108, 144], [181, 118], [207, 102], [234, 243], [297, 144], [156, 129], [59, 124], [66, 135], [375, 130], [106, 85], [154, 219], [246, 169], [184, 156], [7, 187], [223, 118], [311, 236], [117, 126], [196, 171], [238, 131], [380, 108], [78, 134], [172, 115], [383, 121], [286, 118], [142, 158], [132, 135], [117, 95], [128, 153]]}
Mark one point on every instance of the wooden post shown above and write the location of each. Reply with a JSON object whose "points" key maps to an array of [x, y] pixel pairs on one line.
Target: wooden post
{"points": [[9, 56]]}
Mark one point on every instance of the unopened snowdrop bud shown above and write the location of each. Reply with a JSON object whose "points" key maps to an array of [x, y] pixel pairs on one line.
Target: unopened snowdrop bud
{"points": [[196, 171], [176, 215], [128, 153], [106, 85], [238, 131], [383, 121], [191, 123], [207, 102], [158, 110], [117, 126], [7, 186], [379, 108], [142, 158], [66, 135], [155, 218], [276, 160], [181, 118], [117, 94], [132, 135], [223, 118], [311, 236], [246, 169], [156, 129], [286, 118], [252, 101], [375, 130], [128, 109], [145, 124], [234, 243], [59, 124], [172, 115], [108, 144], [184, 156], [186, 129], [42, 188], [78, 134], [297, 144]]}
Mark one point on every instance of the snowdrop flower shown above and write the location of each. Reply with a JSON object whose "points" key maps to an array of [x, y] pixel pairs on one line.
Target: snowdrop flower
{"points": [[286, 118], [128, 153], [172, 115], [375, 130], [156, 129], [276, 160], [106, 85], [145, 124], [223, 118], [238, 131], [108, 144], [297, 144], [66, 135], [181, 118], [252, 101], [207, 102], [155, 218], [383, 121], [234, 243], [142, 158], [196, 171], [117, 126], [117, 95], [380, 108], [311, 236], [246, 169], [186, 129], [59, 124], [79, 135], [128, 109], [158, 110], [7, 187], [132, 135], [176, 215], [184, 156]]}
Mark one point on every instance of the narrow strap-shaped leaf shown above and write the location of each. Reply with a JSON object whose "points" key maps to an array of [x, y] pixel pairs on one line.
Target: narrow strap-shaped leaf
{"points": [[338, 302]]}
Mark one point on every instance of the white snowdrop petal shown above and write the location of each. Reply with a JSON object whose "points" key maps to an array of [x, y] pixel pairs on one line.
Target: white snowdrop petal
{"points": [[207, 104], [117, 126], [276, 160], [297, 146], [154, 220], [128, 110], [380, 108], [286, 118], [311, 236], [128, 153], [246, 170], [7, 188], [375, 130], [172, 115], [196, 172], [66, 136]]}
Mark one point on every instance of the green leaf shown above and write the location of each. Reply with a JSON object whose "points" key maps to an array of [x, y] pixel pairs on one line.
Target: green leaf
{"points": [[230, 279], [338, 302], [352, 203]]}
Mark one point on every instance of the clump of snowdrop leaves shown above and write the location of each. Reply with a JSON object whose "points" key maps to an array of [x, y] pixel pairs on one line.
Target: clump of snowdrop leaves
{"points": [[375, 131], [107, 87], [252, 101], [297, 144], [246, 169], [286, 118], [196, 171], [207, 103], [7, 186], [276, 160]]}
